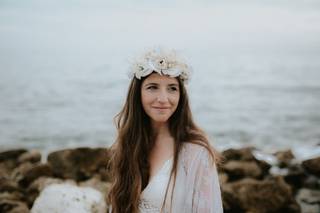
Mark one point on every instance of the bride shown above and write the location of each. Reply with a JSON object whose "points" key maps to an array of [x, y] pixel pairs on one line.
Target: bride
{"points": [[162, 162]]}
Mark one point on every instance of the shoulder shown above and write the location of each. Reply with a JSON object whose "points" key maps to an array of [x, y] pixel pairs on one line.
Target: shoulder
{"points": [[193, 154], [194, 149]]}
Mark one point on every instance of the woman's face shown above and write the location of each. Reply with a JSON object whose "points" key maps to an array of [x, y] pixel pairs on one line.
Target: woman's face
{"points": [[160, 97]]}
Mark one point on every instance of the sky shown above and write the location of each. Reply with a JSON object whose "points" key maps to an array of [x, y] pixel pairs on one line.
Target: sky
{"points": [[143, 23], [48, 47]]}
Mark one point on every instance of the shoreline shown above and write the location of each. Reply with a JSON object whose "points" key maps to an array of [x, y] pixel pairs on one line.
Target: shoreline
{"points": [[301, 152], [25, 173]]}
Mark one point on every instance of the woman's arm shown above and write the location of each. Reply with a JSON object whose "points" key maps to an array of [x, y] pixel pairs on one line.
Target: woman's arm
{"points": [[206, 196]]}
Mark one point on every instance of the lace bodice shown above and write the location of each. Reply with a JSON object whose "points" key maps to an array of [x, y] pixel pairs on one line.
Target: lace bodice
{"points": [[196, 190], [152, 196]]}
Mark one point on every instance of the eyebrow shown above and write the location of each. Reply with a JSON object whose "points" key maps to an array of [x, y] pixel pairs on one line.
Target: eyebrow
{"points": [[149, 84], [174, 84]]}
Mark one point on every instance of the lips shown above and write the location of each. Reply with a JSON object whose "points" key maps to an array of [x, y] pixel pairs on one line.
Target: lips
{"points": [[161, 107]]}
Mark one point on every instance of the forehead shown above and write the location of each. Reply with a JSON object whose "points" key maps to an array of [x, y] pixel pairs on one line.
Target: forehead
{"points": [[160, 79]]}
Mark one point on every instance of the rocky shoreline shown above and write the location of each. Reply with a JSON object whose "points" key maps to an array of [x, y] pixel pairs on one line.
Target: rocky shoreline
{"points": [[248, 184]]}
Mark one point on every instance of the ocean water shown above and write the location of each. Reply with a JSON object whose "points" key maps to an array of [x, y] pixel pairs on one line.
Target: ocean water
{"points": [[255, 82]]}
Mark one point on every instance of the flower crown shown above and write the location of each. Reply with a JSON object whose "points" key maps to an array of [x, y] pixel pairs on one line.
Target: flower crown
{"points": [[162, 62]]}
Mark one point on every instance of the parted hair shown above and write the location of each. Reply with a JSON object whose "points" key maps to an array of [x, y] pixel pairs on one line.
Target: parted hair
{"points": [[129, 163]]}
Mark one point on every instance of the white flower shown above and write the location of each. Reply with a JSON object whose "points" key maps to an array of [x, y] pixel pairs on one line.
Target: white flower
{"points": [[141, 70], [162, 62]]}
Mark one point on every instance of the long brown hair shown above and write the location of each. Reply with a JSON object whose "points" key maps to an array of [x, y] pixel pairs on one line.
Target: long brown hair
{"points": [[129, 163]]}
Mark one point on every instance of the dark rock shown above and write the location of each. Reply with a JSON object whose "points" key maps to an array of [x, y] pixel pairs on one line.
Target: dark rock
{"points": [[284, 158], [104, 173], [312, 182], [39, 184], [8, 185], [32, 156], [19, 172], [244, 154], [40, 170], [96, 183], [272, 195], [11, 206], [309, 200], [309, 196], [28, 172], [78, 164], [240, 169], [312, 166], [264, 166], [8, 161], [231, 203], [223, 178], [295, 177], [17, 196], [11, 154]]}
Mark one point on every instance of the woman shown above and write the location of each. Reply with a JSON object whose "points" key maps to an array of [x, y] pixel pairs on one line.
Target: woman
{"points": [[162, 161]]}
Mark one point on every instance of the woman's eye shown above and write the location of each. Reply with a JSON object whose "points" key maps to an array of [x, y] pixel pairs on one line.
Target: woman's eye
{"points": [[173, 89], [151, 87]]}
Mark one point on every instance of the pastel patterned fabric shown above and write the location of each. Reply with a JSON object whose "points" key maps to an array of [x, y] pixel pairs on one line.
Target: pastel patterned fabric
{"points": [[196, 190]]}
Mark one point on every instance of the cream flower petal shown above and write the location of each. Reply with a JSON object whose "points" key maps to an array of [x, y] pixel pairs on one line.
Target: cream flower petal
{"points": [[173, 72], [138, 76], [162, 62], [146, 72], [151, 65]]}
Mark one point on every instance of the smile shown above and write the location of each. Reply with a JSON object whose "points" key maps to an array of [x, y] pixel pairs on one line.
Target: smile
{"points": [[161, 107]]}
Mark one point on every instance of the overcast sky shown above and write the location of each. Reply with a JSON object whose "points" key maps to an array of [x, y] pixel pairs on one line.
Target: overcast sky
{"points": [[65, 28]]}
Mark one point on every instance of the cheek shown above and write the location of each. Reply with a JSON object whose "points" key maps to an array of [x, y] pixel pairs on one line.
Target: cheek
{"points": [[145, 99], [175, 100]]}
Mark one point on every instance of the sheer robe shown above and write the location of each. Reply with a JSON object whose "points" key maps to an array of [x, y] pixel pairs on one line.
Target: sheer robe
{"points": [[197, 188]]}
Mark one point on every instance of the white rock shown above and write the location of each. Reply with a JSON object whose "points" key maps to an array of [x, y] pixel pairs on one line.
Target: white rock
{"points": [[67, 198]]}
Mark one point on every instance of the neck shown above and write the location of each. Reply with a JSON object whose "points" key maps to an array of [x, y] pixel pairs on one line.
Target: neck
{"points": [[161, 130], [163, 138]]}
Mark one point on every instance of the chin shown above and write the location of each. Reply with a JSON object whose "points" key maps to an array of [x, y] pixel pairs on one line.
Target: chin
{"points": [[160, 120]]}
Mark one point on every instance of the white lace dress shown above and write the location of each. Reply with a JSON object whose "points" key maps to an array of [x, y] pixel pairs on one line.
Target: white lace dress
{"points": [[197, 188]]}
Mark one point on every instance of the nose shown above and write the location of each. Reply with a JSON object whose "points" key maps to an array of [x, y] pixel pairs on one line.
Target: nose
{"points": [[162, 97]]}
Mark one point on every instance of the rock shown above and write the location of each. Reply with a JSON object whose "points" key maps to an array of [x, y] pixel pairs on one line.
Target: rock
{"points": [[68, 198], [19, 172], [42, 182], [96, 183], [11, 154], [230, 200], [312, 166], [295, 176], [78, 164], [312, 182], [8, 161], [39, 184], [27, 172], [272, 195], [240, 169], [40, 170], [8, 185], [17, 196], [309, 200], [104, 173], [244, 154], [242, 163], [284, 158], [11, 206], [32, 157], [223, 178], [264, 166], [10, 191]]}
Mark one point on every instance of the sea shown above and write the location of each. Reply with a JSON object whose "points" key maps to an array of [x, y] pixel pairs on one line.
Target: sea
{"points": [[255, 80]]}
